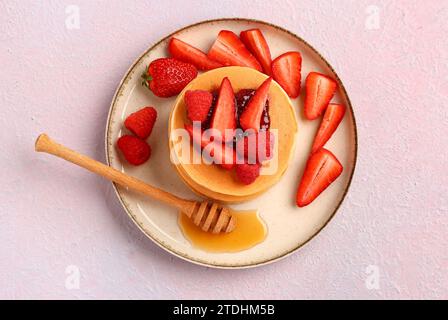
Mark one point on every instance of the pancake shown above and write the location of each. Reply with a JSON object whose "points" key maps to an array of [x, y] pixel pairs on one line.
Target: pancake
{"points": [[204, 192], [212, 181]]}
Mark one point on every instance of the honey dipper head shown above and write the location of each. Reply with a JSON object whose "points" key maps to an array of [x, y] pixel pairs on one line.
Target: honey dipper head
{"points": [[211, 217], [229, 221]]}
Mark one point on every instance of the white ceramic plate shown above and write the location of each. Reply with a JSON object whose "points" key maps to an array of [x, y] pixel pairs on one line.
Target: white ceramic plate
{"points": [[289, 227]]}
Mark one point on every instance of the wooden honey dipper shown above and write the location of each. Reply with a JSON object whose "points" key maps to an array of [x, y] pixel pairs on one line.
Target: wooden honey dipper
{"points": [[210, 217]]}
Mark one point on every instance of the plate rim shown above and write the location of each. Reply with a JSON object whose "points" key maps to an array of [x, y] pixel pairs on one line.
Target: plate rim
{"points": [[186, 257]]}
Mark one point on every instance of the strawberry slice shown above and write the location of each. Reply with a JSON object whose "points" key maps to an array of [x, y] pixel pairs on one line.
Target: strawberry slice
{"points": [[184, 52], [224, 114], [221, 154], [230, 51], [251, 116], [332, 117], [319, 91], [321, 170], [286, 70], [254, 40]]}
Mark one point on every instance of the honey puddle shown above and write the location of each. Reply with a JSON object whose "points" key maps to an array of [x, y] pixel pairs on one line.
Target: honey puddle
{"points": [[250, 230]]}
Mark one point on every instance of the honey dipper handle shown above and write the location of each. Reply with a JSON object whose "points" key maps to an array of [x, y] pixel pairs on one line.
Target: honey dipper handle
{"points": [[45, 144]]}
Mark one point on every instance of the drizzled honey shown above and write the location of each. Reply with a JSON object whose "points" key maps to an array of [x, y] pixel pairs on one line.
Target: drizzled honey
{"points": [[250, 230]]}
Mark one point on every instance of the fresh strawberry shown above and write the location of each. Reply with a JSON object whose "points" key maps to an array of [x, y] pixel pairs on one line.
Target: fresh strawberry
{"points": [[332, 117], [230, 51], [247, 173], [321, 170], [166, 77], [221, 154], [256, 147], [286, 70], [254, 40], [187, 53], [135, 150], [224, 114], [251, 116], [198, 104], [319, 91], [141, 122]]}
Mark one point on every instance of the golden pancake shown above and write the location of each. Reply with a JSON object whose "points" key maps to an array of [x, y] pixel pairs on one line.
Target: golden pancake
{"points": [[211, 180], [204, 192]]}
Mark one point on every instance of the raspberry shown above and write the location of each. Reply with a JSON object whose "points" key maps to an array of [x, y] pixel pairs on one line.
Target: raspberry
{"points": [[141, 122], [198, 104], [135, 150], [247, 173]]}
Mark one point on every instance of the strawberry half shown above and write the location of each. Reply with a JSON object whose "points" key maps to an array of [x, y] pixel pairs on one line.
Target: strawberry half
{"points": [[141, 122], [332, 117], [224, 114], [319, 91], [166, 77], [321, 170], [221, 154], [230, 51], [286, 70], [135, 150], [198, 103], [251, 116], [255, 42], [187, 53]]}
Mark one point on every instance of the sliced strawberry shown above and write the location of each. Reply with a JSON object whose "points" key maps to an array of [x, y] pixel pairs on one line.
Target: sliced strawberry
{"points": [[254, 40], [286, 70], [222, 155], [198, 103], [319, 91], [321, 170], [230, 51], [251, 116], [224, 114], [332, 117], [187, 53]]}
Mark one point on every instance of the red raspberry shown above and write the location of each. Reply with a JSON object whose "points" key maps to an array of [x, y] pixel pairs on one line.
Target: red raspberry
{"points": [[198, 104], [247, 173], [141, 122], [135, 150]]}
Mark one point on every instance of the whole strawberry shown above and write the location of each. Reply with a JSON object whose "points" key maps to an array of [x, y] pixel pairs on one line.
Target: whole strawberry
{"points": [[141, 122], [166, 77], [135, 150]]}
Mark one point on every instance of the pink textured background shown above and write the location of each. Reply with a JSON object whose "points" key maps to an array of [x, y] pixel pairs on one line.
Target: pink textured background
{"points": [[62, 81]]}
